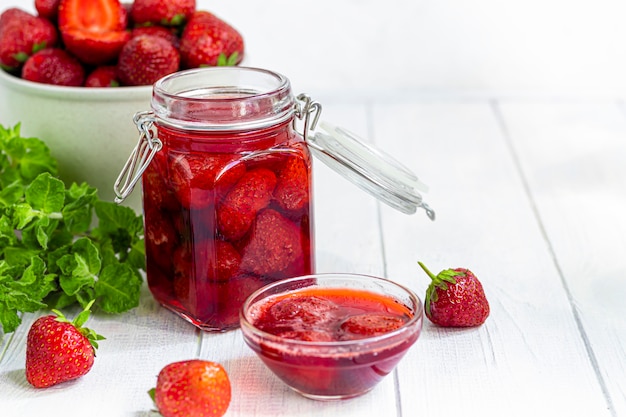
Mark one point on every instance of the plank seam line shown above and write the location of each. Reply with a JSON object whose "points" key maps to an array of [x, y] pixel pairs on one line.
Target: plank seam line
{"points": [[495, 107], [369, 117]]}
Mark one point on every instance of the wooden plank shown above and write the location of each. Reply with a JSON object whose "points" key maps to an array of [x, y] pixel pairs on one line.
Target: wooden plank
{"points": [[529, 357], [572, 156]]}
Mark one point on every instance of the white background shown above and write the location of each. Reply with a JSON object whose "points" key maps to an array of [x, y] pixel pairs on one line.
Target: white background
{"points": [[375, 47]]}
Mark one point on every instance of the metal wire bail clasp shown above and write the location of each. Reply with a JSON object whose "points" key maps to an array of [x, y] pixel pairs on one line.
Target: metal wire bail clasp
{"points": [[140, 157], [305, 107]]}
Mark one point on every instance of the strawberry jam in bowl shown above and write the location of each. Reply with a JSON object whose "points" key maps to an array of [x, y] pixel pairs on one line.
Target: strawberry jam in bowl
{"points": [[332, 336]]}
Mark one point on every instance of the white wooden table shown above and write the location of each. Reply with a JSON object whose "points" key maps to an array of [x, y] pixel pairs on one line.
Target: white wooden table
{"points": [[530, 193]]}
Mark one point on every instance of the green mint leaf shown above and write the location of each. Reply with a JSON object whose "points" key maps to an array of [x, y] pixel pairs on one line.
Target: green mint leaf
{"points": [[119, 225], [44, 228], [87, 257], [8, 237], [9, 318], [21, 290], [78, 210], [118, 288], [11, 194], [19, 257], [49, 254], [23, 214], [46, 193], [113, 217], [80, 267], [27, 156]]}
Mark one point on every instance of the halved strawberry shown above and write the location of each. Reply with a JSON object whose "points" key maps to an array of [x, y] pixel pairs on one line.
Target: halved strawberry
{"points": [[93, 30]]}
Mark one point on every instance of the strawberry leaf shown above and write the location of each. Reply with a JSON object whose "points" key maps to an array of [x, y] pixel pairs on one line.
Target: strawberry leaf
{"points": [[224, 61]]}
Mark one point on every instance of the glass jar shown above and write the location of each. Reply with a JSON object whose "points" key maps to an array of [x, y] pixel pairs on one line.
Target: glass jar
{"points": [[227, 187]]}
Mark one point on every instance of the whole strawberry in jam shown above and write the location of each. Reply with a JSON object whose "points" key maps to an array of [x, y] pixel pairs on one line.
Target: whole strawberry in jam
{"points": [[192, 388], [252, 193], [58, 350], [275, 246], [196, 177], [455, 298], [292, 188], [208, 40]]}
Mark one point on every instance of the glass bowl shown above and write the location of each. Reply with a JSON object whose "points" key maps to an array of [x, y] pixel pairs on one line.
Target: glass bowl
{"points": [[331, 336]]}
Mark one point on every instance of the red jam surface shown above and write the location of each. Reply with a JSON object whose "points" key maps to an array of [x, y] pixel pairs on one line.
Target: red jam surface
{"points": [[224, 217], [346, 316]]}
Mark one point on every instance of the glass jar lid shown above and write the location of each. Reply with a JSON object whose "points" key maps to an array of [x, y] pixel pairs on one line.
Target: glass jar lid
{"points": [[371, 169]]}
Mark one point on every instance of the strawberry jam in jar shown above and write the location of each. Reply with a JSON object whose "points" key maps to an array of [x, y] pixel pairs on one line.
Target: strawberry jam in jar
{"points": [[226, 184]]}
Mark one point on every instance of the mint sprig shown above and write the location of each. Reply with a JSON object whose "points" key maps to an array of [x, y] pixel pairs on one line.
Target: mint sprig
{"points": [[51, 255]]}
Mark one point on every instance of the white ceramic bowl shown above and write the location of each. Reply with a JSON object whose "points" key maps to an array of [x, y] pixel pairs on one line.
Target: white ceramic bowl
{"points": [[90, 131]]}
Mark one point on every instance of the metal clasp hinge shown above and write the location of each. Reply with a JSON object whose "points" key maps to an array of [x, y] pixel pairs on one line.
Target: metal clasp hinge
{"points": [[140, 157], [305, 107]]}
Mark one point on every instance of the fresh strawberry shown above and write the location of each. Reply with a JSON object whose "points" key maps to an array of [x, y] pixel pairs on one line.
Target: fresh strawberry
{"points": [[104, 76], [162, 12], [192, 388], [54, 66], [274, 245], [21, 36], [370, 324], [166, 33], [207, 40], [13, 14], [58, 350], [93, 30], [252, 193], [48, 9], [145, 59], [293, 186], [196, 177], [455, 298]]}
